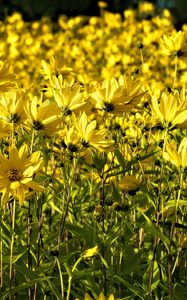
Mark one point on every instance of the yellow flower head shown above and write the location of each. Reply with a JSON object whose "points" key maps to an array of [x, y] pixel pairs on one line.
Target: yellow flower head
{"points": [[92, 137], [69, 99], [118, 96], [100, 297], [55, 67], [7, 79], [12, 107], [16, 173], [178, 157], [43, 117], [175, 45], [90, 253], [169, 110]]}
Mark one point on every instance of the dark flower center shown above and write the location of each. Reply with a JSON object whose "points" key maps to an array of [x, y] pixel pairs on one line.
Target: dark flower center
{"points": [[14, 175], [108, 107], [85, 144], [72, 147], [37, 125], [14, 118]]}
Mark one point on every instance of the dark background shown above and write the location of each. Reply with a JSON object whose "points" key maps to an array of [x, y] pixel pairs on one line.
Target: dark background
{"points": [[34, 9]]}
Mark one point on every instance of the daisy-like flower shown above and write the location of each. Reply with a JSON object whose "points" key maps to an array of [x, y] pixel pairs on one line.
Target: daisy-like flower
{"points": [[178, 157], [128, 183], [174, 45], [16, 173], [90, 137], [72, 140], [43, 117], [118, 96], [69, 99], [7, 79], [12, 107], [169, 110], [100, 297], [55, 67]]}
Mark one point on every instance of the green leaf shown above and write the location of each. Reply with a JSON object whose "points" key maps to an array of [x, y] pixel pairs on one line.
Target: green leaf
{"points": [[155, 231], [137, 291]]}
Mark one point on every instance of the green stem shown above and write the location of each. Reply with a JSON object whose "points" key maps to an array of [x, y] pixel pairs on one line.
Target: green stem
{"points": [[175, 71], [12, 208], [71, 277]]}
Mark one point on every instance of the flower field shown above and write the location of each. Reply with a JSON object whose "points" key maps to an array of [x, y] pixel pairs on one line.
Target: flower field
{"points": [[93, 157]]}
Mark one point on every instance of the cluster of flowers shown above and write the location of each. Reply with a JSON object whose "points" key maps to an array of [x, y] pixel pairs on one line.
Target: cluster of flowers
{"points": [[87, 87]]}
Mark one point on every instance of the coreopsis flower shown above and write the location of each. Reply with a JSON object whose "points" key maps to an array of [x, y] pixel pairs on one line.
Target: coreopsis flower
{"points": [[72, 140], [12, 107], [43, 117], [90, 253], [178, 157], [17, 172], [7, 79], [169, 110], [69, 99], [174, 45], [128, 183], [90, 137], [118, 96], [100, 297], [55, 67]]}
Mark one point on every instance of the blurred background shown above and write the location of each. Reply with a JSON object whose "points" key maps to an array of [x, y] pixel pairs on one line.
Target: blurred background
{"points": [[34, 9]]}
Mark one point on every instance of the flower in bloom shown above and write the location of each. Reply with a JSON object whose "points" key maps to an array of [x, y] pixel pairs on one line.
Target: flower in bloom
{"points": [[169, 110], [100, 297], [92, 137], [174, 45], [69, 99], [89, 253], [7, 79], [44, 117], [178, 157], [12, 107], [118, 96], [55, 66], [16, 173]]}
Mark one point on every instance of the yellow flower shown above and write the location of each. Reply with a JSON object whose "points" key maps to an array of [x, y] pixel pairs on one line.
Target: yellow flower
{"points": [[89, 253], [92, 137], [100, 297], [12, 107], [44, 117], [178, 157], [118, 96], [169, 110], [69, 99], [128, 183], [55, 67], [16, 173], [7, 79], [175, 45], [72, 140]]}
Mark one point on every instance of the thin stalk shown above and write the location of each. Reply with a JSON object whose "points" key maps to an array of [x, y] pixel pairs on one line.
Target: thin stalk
{"points": [[29, 233], [175, 71], [61, 278], [71, 277], [102, 203], [1, 248], [159, 203], [11, 273]]}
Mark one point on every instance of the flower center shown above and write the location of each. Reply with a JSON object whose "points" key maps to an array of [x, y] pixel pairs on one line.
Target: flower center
{"points": [[14, 175], [108, 107], [14, 118], [37, 125]]}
